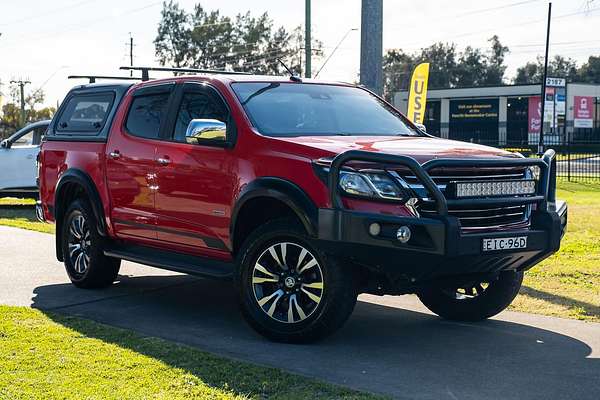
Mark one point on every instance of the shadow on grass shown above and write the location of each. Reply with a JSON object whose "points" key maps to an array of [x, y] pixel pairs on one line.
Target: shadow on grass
{"points": [[381, 349], [587, 308]]}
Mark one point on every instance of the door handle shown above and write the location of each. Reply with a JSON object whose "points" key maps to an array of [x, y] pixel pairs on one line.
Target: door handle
{"points": [[163, 160], [114, 154]]}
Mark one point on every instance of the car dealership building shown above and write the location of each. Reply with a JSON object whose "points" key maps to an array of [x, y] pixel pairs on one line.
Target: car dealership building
{"points": [[511, 114]]}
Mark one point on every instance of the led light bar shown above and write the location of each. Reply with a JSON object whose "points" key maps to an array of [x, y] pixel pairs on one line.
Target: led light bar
{"points": [[494, 188]]}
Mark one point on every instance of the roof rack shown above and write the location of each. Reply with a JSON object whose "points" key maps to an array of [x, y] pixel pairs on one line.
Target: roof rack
{"points": [[93, 78], [146, 75]]}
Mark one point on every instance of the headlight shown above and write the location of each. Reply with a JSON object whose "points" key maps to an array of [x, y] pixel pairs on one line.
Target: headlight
{"points": [[370, 184]]}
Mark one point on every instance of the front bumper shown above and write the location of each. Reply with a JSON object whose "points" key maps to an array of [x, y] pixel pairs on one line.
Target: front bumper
{"points": [[438, 248]]}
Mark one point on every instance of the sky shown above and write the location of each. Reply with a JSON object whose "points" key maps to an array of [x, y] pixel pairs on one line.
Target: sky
{"points": [[44, 41]]}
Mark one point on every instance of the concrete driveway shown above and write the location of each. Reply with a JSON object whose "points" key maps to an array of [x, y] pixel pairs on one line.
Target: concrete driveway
{"points": [[390, 345]]}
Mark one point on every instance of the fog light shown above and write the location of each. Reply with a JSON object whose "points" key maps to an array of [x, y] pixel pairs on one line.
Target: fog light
{"points": [[403, 234], [374, 229]]}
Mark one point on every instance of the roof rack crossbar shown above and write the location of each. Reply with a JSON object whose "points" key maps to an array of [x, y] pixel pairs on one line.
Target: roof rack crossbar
{"points": [[92, 78], [146, 75]]}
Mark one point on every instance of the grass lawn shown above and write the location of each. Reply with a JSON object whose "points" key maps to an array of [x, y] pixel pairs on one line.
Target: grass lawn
{"points": [[50, 356], [568, 283], [22, 215]]}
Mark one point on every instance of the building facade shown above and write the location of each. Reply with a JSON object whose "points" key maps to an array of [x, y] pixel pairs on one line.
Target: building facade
{"points": [[511, 114]]}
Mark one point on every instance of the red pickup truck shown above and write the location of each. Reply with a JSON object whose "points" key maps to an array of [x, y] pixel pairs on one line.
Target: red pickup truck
{"points": [[305, 193]]}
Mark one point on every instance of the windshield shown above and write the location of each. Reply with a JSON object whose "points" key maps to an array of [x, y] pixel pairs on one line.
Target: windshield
{"points": [[292, 109]]}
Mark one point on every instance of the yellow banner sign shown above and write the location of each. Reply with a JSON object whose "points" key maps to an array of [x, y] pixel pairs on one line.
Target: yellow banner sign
{"points": [[417, 97]]}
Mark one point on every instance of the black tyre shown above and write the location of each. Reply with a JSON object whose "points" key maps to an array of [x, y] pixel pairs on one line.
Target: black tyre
{"points": [[474, 301], [83, 249], [289, 290]]}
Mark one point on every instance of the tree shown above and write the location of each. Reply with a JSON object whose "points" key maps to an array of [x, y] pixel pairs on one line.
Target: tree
{"points": [[206, 39], [559, 66], [448, 67], [443, 62], [496, 69], [11, 111], [590, 71], [472, 68], [174, 36]]}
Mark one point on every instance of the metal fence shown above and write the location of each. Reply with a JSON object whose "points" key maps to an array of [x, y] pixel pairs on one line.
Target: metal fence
{"points": [[577, 160]]}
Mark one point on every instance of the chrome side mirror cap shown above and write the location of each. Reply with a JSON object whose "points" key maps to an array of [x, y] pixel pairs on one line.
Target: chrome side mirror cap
{"points": [[205, 129]]}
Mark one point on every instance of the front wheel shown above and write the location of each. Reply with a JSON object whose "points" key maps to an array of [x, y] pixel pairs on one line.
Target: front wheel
{"points": [[288, 289], [473, 301]]}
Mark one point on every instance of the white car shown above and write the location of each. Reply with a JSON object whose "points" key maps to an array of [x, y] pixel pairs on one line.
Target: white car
{"points": [[18, 156]]}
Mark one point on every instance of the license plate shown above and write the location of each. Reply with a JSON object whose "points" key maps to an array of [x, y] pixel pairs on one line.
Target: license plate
{"points": [[510, 243]]}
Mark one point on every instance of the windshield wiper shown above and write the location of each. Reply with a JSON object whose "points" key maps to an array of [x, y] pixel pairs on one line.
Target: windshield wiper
{"points": [[261, 91]]}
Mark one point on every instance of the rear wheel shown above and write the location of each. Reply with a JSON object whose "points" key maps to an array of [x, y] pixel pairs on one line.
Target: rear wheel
{"points": [[473, 301], [289, 290], [83, 249]]}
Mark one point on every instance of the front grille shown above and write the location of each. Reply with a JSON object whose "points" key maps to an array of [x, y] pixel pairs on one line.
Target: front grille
{"points": [[475, 217], [482, 217]]}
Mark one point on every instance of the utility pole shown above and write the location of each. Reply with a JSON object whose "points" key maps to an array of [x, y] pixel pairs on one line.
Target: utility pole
{"points": [[307, 40], [371, 45], [543, 98], [130, 53], [22, 84]]}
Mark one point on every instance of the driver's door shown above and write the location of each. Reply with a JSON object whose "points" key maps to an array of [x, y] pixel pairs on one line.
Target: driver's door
{"points": [[18, 160], [195, 180]]}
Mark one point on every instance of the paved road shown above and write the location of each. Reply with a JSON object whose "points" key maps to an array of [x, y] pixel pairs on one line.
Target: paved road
{"points": [[390, 345]]}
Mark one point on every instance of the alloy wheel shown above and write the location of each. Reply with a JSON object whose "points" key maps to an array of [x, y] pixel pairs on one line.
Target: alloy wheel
{"points": [[79, 242], [287, 282]]}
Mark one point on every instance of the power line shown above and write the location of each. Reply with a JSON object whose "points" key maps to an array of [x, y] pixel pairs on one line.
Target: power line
{"points": [[84, 25], [519, 24], [475, 12], [484, 10], [53, 11]]}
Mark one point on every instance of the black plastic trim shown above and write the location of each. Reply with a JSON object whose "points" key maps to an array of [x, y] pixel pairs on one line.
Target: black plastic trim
{"points": [[83, 180], [193, 265], [210, 242], [283, 190]]}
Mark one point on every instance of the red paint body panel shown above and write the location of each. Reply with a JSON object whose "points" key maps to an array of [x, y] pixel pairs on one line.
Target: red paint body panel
{"points": [[57, 157], [188, 203]]}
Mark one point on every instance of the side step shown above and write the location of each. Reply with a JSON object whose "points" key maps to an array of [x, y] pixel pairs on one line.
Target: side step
{"points": [[183, 263]]}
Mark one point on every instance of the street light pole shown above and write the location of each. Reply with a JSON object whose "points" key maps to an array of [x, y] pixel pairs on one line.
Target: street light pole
{"points": [[543, 98], [307, 40]]}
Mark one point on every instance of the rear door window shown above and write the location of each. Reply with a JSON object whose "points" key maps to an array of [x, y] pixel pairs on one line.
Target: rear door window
{"points": [[85, 113], [146, 114]]}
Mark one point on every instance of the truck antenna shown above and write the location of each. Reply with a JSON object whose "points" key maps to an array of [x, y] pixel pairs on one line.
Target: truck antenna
{"points": [[293, 77]]}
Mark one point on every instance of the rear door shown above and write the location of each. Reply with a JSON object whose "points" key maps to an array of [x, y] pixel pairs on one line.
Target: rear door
{"points": [[196, 179], [131, 162]]}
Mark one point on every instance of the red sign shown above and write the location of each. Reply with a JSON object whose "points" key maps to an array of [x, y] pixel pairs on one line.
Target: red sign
{"points": [[583, 112], [535, 114]]}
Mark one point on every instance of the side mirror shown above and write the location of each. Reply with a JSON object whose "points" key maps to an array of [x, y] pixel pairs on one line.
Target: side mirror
{"points": [[205, 129], [5, 144], [421, 127]]}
